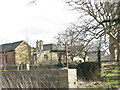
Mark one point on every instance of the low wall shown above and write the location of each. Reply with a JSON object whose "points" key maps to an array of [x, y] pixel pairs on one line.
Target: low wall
{"points": [[44, 78]]}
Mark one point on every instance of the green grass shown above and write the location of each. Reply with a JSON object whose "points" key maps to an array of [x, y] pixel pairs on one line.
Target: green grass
{"points": [[110, 76], [115, 70], [112, 82]]}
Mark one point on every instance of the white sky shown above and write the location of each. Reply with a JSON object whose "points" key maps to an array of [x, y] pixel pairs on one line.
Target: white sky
{"points": [[19, 20]]}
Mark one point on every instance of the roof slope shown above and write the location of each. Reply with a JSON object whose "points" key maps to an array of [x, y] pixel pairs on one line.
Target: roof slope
{"points": [[9, 46]]}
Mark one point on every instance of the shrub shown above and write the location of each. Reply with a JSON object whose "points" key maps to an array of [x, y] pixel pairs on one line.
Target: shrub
{"points": [[88, 71]]}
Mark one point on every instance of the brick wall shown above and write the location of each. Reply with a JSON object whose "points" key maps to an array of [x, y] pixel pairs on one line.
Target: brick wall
{"points": [[10, 58]]}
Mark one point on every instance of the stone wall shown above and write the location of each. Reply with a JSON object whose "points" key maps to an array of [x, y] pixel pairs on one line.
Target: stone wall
{"points": [[23, 53], [44, 78], [52, 58]]}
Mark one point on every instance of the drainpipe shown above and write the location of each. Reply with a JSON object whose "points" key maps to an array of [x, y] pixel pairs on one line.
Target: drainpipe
{"points": [[4, 62], [66, 46], [5, 58]]}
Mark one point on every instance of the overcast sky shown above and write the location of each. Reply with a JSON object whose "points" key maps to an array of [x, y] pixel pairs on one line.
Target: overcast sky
{"points": [[20, 20]]}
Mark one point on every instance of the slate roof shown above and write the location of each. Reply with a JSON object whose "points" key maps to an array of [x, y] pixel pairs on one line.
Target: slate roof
{"points": [[49, 47], [9, 46]]}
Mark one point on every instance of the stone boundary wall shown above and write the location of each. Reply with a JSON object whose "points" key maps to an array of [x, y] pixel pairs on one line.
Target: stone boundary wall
{"points": [[44, 78], [0, 67]]}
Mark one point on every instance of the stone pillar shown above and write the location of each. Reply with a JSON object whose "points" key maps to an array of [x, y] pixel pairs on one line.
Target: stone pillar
{"points": [[67, 78], [72, 78]]}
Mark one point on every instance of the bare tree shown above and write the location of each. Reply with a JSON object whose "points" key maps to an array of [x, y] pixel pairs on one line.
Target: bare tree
{"points": [[79, 44], [93, 14]]}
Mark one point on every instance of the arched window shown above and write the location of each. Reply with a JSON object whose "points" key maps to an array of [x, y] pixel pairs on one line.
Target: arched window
{"points": [[46, 57]]}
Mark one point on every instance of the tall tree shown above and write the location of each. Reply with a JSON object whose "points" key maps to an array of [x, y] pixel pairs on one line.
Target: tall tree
{"points": [[93, 13]]}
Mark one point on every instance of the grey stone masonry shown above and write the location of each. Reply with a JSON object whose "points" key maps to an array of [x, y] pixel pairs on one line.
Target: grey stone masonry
{"points": [[43, 78]]}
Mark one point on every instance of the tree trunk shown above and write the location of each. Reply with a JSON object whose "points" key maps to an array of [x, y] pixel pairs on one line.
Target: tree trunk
{"points": [[99, 57], [118, 35], [112, 49]]}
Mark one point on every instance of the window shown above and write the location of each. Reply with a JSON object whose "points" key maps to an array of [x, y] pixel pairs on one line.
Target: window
{"points": [[35, 57], [46, 57]]}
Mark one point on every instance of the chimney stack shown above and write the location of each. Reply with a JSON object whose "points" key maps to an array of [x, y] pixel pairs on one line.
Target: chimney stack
{"points": [[37, 44], [40, 45]]}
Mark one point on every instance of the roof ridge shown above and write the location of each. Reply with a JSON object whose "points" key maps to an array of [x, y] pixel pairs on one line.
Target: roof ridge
{"points": [[50, 44], [12, 42], [10, 46]]}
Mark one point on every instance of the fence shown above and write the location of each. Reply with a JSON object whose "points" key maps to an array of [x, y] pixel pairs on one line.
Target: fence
{"points": [[111, 73]]}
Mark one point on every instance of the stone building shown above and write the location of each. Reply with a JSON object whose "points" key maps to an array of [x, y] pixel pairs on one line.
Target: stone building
{"points": [[15, 54], [47, 54]]}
